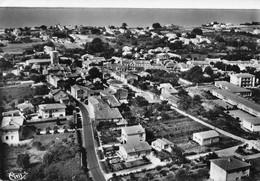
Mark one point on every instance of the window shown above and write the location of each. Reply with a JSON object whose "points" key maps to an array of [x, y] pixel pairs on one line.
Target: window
{"points": [[6, 138], [12, 137]]}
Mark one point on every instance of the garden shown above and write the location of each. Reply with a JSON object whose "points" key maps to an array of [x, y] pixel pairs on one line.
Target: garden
{"points": [[116, 164], [245, 150]]}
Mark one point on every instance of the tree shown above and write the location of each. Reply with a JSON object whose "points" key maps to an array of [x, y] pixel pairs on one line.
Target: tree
{"points": [[124, 26], [197, 31], [96, 46], [23, 160], [208, 70], [95, 73], [4, 64], [95, 31], [181, 175], [43, 27], [195, 74], [156, 26], [140, 101], [41, 90]]}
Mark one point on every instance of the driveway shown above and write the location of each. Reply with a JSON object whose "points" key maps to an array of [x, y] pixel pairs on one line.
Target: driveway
{"points": [[88, 144]]}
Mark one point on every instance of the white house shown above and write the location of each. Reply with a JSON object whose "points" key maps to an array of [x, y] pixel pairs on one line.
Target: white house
{"points": [[206, 137], [11, 129], [52, 110], [251, 124], [134, 151], [228, 169], [162, 144], [133, 134]]}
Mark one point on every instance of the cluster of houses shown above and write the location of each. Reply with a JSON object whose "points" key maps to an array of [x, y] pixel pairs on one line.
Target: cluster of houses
{"points": [[103, 104]]}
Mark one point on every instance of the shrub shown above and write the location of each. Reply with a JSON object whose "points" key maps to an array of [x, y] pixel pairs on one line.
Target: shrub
{"points": [[163, 172], [23, 160], [38, 145], [158, 168]]}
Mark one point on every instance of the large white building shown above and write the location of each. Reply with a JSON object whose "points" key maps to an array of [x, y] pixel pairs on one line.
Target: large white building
{"points": [[240, 102], [133, 134], [233, 88], [243, 80], [228, 169], [52, 110]]}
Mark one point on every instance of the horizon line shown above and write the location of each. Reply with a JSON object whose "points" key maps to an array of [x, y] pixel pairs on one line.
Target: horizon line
{"points": [[80, 7]]}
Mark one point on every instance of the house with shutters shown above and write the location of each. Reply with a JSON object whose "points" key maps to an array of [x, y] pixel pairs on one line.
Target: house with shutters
{"points": [[52, 110]]}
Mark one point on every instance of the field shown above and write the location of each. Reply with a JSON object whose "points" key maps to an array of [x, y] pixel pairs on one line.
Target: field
{"points": [[48, 138], [68, 45], [36, 156], [18, 47], [179, 130], [15, 92]]}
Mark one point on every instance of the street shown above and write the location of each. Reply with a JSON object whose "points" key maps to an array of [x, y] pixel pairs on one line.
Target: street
{"points": [[88, 144]]}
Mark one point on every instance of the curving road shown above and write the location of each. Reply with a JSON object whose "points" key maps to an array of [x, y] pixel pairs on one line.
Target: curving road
{"points": [[88, 144]]}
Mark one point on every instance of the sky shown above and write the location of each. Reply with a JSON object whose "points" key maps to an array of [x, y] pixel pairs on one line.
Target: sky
{"points": [[196, 4]]}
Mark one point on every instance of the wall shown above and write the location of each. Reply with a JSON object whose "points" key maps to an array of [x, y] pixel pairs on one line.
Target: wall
{"points": [[56, 113], [216, 173], [136, 156], [14, 140], [237, 175], [251, 127], [132, 138]]}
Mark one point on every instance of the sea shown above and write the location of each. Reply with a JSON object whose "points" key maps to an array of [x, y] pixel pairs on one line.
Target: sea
{"points": [[14, 17]]}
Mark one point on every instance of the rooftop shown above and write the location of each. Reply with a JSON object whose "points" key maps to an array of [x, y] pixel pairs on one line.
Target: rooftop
{"points": [[111, 100], [25, 105], [230, 164], [240, 114], [51, 106], [136, 129], [231, 87], [38, 60], [254, 121], [244, 75], [11, 123], [208, 134], [102, 109], [136, 147], [238, 99], [10, 113], [164, 141]]}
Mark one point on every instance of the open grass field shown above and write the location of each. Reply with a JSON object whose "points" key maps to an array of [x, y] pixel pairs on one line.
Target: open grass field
{"points": [[48, 138], [18, 47], [15, 92]]}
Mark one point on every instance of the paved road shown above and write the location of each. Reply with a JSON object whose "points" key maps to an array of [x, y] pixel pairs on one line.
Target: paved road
{"points": [[88, 144]]}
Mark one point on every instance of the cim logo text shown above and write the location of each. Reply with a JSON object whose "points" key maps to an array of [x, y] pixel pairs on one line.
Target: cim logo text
{"points": [[14, 176]]}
